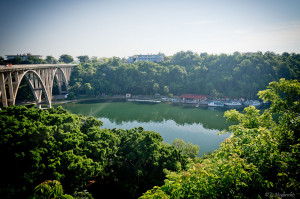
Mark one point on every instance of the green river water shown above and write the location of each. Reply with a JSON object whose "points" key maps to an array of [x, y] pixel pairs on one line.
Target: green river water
{"points": [[199, 126]]}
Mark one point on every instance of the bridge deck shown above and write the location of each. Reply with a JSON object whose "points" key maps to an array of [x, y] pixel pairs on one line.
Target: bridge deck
{"points": [[4, 68]]}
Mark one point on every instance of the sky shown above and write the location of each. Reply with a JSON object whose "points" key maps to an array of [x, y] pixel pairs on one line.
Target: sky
{"points": [[122, 28]]}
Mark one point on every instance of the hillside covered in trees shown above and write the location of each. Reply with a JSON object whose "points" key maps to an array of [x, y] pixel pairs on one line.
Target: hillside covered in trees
{"points": [[237, 75]]}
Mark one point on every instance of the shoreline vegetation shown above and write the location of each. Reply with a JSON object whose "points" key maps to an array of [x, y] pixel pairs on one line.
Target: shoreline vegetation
{"points": [[234, 76], [148, 99]]}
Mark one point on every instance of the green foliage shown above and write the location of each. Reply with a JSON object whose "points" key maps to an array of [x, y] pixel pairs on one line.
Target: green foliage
{"points": [[2, 61], [50, 189], [50, 60], [260, 157], [156, 87], [237, 75], [54, 144], [285, 96], [166, 90], [66, 58], [139, 164], [83, 58], [187, 149], [19, 60]]}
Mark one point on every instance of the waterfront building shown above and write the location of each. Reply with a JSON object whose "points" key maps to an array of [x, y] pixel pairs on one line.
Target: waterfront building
{"points": [[193, 97]]}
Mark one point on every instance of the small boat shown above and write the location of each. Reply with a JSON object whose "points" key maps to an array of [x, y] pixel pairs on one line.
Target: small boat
{"points": [[216, 104], [233, 103]]}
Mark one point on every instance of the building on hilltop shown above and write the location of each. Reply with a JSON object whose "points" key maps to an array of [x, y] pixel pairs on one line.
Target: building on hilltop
{"points": [[23, 56], [153, 58], [131, 59]]}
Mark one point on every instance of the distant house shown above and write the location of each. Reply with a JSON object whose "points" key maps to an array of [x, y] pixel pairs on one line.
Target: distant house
{"points": [[193, 97], [153, 58], [23, 56]]}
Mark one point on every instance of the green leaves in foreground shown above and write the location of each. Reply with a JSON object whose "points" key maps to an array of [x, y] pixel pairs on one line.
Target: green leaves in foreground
{"points": [[261, 156], [38, 145], [50, 189]]}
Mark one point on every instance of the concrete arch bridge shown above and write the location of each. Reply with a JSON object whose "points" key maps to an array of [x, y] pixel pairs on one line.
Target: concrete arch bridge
{"points": [[40, 78]]}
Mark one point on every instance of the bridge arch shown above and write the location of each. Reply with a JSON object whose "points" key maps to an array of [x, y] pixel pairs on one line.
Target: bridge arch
{"points": [[60, 78], [40, 78], [36, 85]]}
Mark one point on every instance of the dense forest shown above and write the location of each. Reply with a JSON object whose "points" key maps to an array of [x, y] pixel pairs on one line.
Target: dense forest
{"points": [[235, 76], [47, 153], [38, 145]]}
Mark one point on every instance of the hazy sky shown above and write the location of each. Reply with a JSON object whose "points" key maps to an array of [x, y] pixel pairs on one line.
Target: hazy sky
{"points": [[122, 28]]}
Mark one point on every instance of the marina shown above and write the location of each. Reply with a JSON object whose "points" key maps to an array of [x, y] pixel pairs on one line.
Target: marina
{"points": [[199, 101]]}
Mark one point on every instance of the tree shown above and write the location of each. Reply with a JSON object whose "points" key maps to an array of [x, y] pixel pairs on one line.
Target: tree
{"points": [[2, 61], [115, 61], [83, 58], [187, 149], [33, 60], [166, 90], [95, 59], [215, 94], [156, 87], [16, 60], [50, 189], [66, 58], [50, 60], [88, 89]]}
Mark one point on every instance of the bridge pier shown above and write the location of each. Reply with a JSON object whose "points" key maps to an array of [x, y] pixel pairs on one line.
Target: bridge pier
{"points": [[39, 78], [3, 90]]}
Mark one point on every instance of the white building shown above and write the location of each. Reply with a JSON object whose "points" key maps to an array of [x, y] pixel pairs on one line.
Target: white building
{"points": [[152, 58], [23, 56], [131, 59]]}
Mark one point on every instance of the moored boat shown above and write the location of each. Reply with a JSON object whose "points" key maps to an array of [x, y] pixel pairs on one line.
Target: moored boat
{"points": [[216, 104], [233, 103]]}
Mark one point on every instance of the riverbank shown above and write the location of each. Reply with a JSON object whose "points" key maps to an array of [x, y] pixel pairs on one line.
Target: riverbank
{"points": [[147, 99]]}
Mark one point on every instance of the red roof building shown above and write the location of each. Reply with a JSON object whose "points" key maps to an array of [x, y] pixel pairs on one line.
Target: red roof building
{"points": [[193, 97]]}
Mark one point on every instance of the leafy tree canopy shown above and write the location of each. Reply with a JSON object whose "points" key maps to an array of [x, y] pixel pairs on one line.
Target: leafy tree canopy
{"points": [[66, 58], [38, 145], [83, 58], [261, 156], [238, 75]]}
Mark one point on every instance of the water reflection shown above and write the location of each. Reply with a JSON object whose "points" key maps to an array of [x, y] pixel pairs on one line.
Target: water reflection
{"points": [[196, 125], [120, 112]]}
